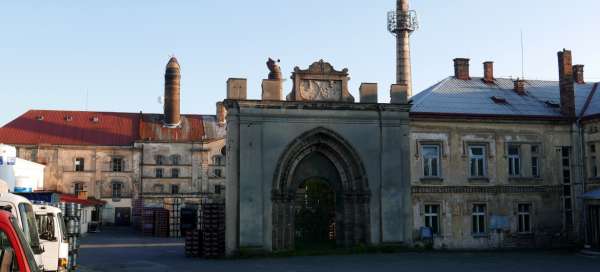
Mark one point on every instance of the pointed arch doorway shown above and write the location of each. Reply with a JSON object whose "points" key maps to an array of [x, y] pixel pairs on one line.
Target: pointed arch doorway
{"points": [[323, 160]]}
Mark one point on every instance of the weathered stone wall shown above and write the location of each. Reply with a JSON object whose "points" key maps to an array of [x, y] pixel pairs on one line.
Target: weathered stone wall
{"points": [[456, 192]]}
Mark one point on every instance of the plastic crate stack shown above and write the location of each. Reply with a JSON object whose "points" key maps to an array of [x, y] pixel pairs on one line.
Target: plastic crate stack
{"points": [[136, 213], [161, 223], [72, 216], [213, 230], [174, 207], [193, 244]]}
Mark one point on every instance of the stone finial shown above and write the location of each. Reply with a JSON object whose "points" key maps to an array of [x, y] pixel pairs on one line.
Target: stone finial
{"points": [[274, 69]]}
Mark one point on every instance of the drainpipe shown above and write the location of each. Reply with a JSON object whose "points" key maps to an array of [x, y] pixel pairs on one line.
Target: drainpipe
{"points": [[583, 178]]}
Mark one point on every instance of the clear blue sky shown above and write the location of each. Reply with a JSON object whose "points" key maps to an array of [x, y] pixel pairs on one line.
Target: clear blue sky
{"points": [[54, 52]]}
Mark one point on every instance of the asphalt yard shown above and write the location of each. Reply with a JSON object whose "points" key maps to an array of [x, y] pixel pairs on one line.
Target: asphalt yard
{"points": [[125, 250]]}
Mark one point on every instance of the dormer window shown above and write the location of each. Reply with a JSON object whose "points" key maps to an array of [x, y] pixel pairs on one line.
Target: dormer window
{"points": [[68, 118], [39, 118], [552, 104], [499, 100]]}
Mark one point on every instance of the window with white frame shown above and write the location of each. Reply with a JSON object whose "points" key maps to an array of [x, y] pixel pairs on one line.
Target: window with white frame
{"points": [[524, 218], [477, 161], [431, 160], [158, 172], [117, 189], [514, 160], [432, 217], [478, 219], [535, 161]]}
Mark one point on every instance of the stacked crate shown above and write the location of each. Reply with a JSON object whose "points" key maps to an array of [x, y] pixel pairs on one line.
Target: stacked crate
{"points": [[174, 207], [193, 244], [136, 213], [213, 230], [161, 223], [148, 222]]}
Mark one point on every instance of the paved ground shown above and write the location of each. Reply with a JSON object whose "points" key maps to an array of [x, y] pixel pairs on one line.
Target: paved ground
{"points": [[120, 250]]}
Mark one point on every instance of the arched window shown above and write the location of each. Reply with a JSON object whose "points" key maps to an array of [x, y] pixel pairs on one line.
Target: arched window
{"points": [[160, 159], [175, 159]]}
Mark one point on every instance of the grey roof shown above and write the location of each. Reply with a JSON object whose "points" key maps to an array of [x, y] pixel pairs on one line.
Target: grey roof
{"points": [[454, 96], [592, 195]]}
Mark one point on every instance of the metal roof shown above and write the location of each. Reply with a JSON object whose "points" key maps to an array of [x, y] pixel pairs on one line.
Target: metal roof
{"points": [[102, 128], [474, 96]]}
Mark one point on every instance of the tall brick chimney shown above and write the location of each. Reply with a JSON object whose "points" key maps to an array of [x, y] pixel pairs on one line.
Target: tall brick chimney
{"points": [[488, 72], [171, 106], [578, 74], [567, 86], [461, 69]]}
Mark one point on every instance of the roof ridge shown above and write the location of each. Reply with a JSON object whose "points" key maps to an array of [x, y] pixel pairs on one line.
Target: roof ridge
{"points": [[430, 90]]}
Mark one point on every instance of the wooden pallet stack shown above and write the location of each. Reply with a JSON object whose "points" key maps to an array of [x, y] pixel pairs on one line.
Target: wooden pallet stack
{"points": [[174, 207], [161, 223]]}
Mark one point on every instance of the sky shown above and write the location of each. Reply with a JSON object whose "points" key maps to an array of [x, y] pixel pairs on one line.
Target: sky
{"points": [[110, 55]]}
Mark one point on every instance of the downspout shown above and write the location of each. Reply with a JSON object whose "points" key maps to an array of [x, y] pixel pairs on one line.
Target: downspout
{"points": [[379, 109]]}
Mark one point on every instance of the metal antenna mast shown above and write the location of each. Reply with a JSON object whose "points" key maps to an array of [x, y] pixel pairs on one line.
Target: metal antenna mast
{"points": [[402, 22]]}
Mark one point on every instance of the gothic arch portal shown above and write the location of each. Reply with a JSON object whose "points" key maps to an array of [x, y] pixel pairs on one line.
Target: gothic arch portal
{"points": [[344, 172]]}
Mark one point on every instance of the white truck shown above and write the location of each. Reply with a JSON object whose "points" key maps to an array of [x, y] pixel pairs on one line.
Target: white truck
{"points": [[22, 210], [53, 236]]}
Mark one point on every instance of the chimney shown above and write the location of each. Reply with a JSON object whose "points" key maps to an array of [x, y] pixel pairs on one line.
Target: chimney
{"points": [[567, 86], [398, 94], [578, 74], [172, 117], [368, 93], [461, 69], [221, 113], [520, 86], [488, 72], [236, 88]]}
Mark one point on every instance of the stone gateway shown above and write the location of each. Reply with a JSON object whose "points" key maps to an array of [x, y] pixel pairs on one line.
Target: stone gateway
{"points": [[359, 150]]}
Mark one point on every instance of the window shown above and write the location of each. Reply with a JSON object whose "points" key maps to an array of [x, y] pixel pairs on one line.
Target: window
{"points": [[478, 219], [77, 188], [431, 159], [160, 160], [117, 190], [218, 189], [535, 161], [593, 161], [79, 165], [159, 172], [117, 165], [217, 160], [174, 189], [514, 160], [175, 159], [158, 188], [175, 173], [477, 162], [218, 173], [432, 218], [524, 218]]}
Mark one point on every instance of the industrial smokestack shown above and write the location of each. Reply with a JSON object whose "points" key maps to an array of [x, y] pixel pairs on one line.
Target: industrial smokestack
{"points": [[172, 114], [402, 22]]}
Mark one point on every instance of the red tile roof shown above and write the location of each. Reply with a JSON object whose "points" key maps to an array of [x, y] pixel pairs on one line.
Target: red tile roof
{"points": [[152, 129], [96, 128]]}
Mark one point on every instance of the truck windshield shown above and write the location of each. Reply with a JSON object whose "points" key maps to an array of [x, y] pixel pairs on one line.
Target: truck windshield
{"points": [[25, 245], [29, 227]]}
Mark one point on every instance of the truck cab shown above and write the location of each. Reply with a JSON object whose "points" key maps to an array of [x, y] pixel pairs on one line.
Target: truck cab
{"points": [[53, 237], [15, 252], [22, 210]]}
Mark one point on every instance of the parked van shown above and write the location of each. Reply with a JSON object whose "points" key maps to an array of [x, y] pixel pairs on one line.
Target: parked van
{"points": [[15, 252], [53, 237]]}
